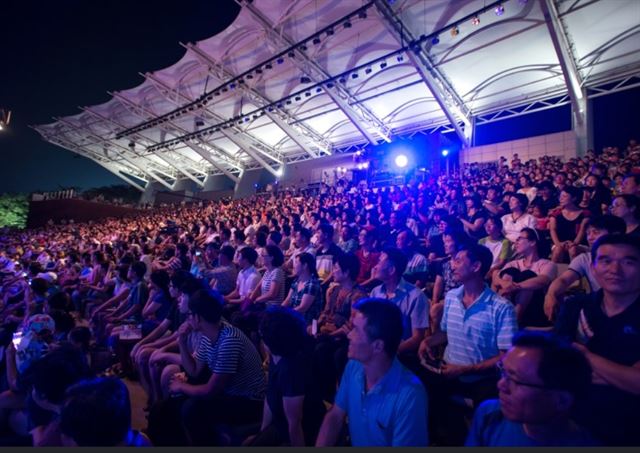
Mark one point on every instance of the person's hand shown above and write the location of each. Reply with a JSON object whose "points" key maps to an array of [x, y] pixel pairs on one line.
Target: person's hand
{"points": [[184, 330], [427, 349], [509, 289], [550, 305], [451, 371], [176, 386]]}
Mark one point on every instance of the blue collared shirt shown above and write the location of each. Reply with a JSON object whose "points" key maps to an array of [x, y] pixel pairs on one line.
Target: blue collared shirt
{"points": [[479, 332], [392, 413], [412, 303]]}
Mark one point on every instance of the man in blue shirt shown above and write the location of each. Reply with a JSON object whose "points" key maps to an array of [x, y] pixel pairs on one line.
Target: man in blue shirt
{"points": [[386, 404], [541, 379]]}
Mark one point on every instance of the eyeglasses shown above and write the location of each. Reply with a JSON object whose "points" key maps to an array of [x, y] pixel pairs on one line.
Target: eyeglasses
{"points": [[504, 375]]}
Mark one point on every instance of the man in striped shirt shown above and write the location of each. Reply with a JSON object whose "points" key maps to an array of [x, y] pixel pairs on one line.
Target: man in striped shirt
{"points": [[235, 391], [477, 327]]}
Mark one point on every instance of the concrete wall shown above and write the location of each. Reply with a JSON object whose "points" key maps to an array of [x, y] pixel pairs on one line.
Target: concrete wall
{"points": [[310, 171], [79, 210], [561, 144]]}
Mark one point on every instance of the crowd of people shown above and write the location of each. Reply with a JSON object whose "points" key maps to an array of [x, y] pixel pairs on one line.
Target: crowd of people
{"points": [[499, 305]]}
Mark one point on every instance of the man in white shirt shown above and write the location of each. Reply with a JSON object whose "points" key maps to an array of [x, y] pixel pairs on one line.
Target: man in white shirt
{"points": [[248, 277]]}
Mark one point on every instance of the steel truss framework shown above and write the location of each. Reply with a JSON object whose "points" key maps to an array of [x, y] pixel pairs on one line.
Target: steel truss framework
{"points": [[295, 80]]}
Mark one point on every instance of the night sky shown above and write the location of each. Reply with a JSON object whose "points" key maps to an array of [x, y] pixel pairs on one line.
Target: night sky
{"points": [[56, 56]]}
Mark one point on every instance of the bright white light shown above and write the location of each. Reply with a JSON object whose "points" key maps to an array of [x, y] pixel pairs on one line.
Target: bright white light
{"points": [[279, 172], [366, 165], [401, 160], [445, 152]]}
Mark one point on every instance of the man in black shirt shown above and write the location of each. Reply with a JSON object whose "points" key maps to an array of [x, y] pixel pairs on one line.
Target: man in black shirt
{"points": [[605, 325]]}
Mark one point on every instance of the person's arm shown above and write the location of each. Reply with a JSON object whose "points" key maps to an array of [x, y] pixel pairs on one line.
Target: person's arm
{"points": [[475, 226], [537, 282], [553, 230], [557, 289], [267, 416], [287, 300], [412, 343], [293, 406], [134, 309], [306, 303], [430, 343], [453, 371], [331, 427], [214, 386], [581, 232], [273, 292], [12, 369], [114, 300], [192, 366], [150, 309], [438, 288], [156, 333], [625, 378]]}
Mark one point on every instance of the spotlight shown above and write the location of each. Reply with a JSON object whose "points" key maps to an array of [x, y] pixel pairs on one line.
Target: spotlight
{"points": [[268, 66], [342, 80], [499, 10], [401, 161], [455, 31], [330, 32], [290, 54], [288, 102], [316, 40], [132, 145], [475, 20], [368, 71], [258, 71], [303, 48], [329, 85], [366, 165], [347, 24], [280, 171], [232, 86], [199, 122], [383, 65], [249, 76], [445, 152], [400, 58], [354, 75], [217, 93], [318, 90], [280, 60], [308, 94], [435, 41], [305, 79], [298, 98], [362, 14]]}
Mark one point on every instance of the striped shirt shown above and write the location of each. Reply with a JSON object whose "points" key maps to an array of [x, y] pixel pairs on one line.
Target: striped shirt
{"points": [[412, 303], [479, 332], [417, 264], [268, 279], [233, 353]]}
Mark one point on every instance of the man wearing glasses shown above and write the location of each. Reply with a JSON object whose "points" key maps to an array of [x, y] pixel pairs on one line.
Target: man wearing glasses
{"points": [[541, 378]]}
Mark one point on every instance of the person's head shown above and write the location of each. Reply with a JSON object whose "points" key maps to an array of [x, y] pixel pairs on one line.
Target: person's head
{"points": [[226, 255], [346, 267], [405, 240], [631, 184], [472, 261], [305, 264], [247, 257], [604, 224], [238, 236], [346, 233], [272, 256], [39, 286], [472, 202], [96, 413], [616, 264], [391, 265], [527, 242], [546, 189], [453, 239], [626, 207], [137, 271], [177, 280], [541, 379], [283, 331], [169, 253], [205, 308], [160, 280], [518, 202], [274, 238], [325, 233], [188, 287], [302, 238], [376, 330], [493, 226], [570, 196], [397, 220], [367, 237], [560, 179], [225, 235], [54, 373], [80, 337], [182, 249], [212, 251]]}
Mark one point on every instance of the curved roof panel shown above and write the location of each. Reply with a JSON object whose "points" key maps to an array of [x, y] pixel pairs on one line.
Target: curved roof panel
{"points": [[292, 80]]}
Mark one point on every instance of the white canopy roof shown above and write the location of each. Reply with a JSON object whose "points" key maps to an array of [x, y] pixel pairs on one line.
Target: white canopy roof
{"points": [[294, 80]]}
